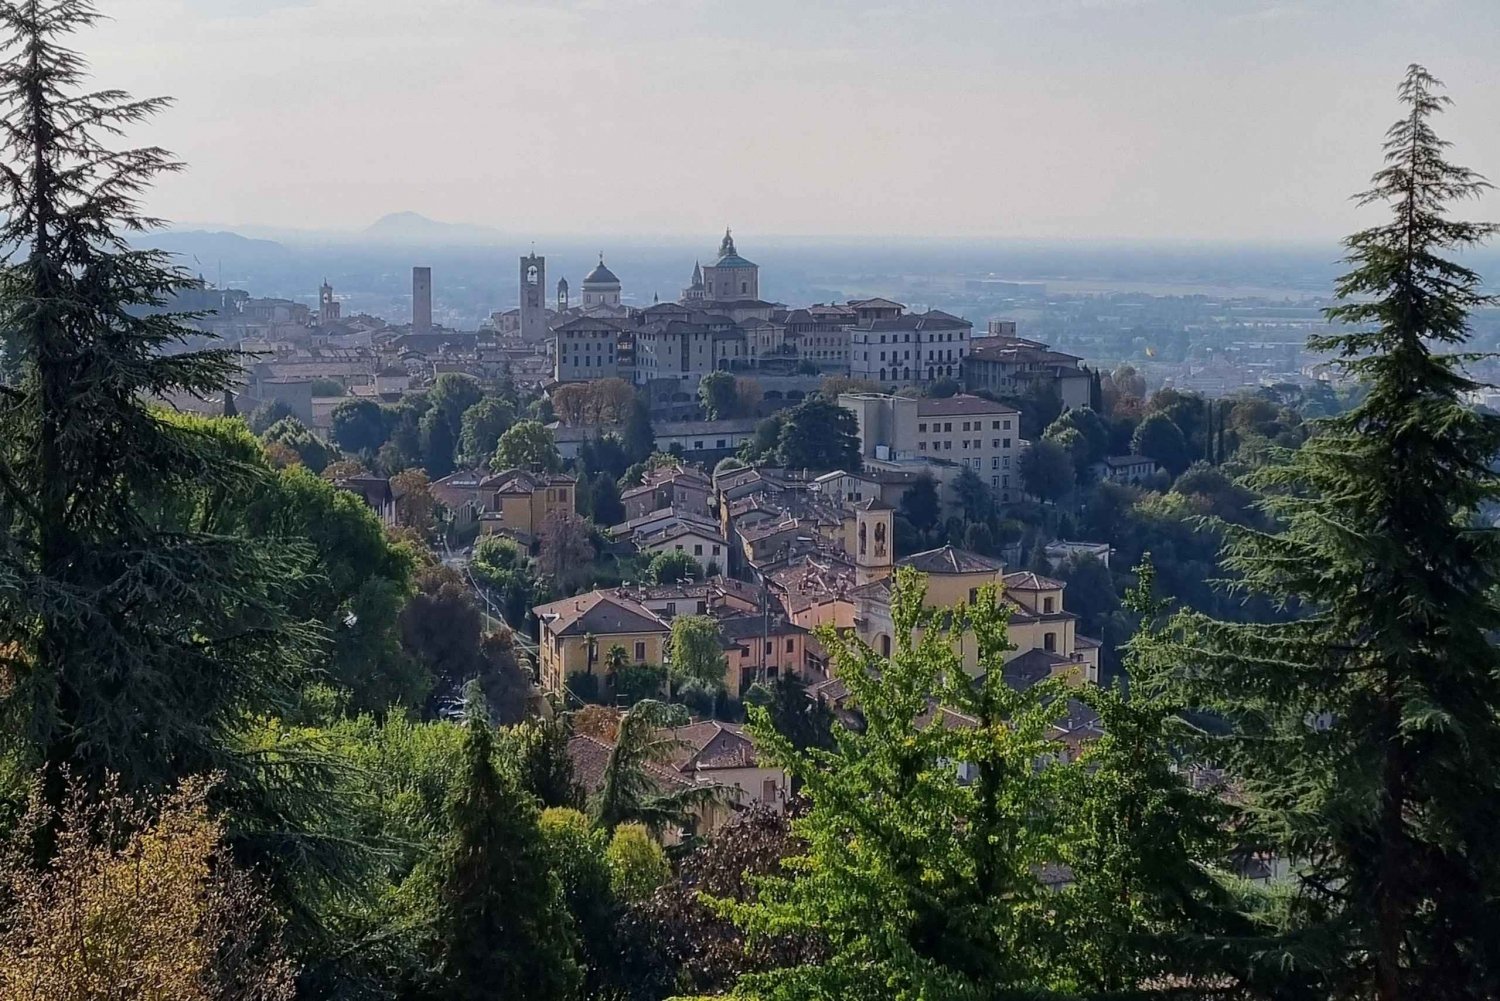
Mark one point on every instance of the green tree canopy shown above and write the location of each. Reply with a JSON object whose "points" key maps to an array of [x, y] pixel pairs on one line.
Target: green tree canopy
{"points": [[1046, 470], [502, 926], [481, 426], [1093, 429], [1364, 733], [929, 846], [269, 413], [920, 504], [696, 650], [716, 391], [452, 394], [671, 566], [631, 791], [1158, 438], [359, 426], [819, 435], [139, 644], [527, 444], [308, 447]]}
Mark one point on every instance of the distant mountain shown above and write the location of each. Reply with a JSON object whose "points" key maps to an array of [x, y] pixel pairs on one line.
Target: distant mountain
{"points": [[210, 252], [412, 227]]}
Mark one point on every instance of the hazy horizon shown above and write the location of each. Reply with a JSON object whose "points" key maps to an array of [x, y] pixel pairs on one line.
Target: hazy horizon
{"points": [[1124, 120]]}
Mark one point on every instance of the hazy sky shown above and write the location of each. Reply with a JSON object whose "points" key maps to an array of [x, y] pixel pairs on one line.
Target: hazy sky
{"points": [[1233, 119]]}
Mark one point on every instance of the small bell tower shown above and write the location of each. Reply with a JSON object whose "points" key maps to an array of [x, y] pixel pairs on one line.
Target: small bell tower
{"points": [[874, 546]]}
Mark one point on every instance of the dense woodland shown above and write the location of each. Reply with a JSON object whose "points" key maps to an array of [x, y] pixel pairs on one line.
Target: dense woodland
{"points": [[257, 746]]}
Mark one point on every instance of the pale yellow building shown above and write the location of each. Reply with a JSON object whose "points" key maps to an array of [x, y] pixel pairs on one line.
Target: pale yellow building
{"points": [[1041, 629], [521, 501], [578, 633]]}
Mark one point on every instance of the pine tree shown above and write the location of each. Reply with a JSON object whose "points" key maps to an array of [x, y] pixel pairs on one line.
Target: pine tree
{"points": [[139, 644], [502, 928], [1365, 735]]}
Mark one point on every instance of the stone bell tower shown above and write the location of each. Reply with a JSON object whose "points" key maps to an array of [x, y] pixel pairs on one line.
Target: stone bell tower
{"points": [[874, 546], [533, 299]]}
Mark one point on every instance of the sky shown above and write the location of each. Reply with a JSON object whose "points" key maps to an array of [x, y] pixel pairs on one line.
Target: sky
{"points": [[1225, 120]]}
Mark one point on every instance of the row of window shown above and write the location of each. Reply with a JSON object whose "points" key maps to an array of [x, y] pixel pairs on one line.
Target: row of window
{"points": [[698, 551], [976, 426], [906, 338], [931, 356]]}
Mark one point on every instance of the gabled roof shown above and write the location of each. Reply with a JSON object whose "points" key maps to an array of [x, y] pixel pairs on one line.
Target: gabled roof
{"points": [[588, 323], [876, 303], [678, 528], [1025, 580], [949, 560], [712, 745], [590, 757], [602, 613], [525, 481]]}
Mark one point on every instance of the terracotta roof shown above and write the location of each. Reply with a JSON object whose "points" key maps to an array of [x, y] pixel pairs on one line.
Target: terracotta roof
{"points": [[1025, 580], [712, 745], [1025, 670], [525, 481], [602, 613], [590, 758], [948, 560]]}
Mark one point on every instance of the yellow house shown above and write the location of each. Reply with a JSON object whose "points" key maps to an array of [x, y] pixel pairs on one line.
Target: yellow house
{"points": [[768, 645], [578, 633], [1038, 621], [523, 500]]}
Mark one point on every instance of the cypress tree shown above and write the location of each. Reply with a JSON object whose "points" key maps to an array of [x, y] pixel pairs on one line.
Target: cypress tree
{"points": [[502, 928], [1365, 735]]}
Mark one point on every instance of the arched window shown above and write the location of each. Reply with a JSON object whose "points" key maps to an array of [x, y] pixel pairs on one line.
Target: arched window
{"points": [[862, 539], [885, 646], [879, 538], [531, 275], [882, 375]]}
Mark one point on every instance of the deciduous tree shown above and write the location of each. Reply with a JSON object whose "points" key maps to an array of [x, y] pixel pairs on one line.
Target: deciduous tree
{"points": [[527, 445]]}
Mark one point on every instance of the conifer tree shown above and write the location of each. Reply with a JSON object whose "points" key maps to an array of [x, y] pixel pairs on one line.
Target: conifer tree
{"points": [[1365, 735], [503, 930], [137, 642]]}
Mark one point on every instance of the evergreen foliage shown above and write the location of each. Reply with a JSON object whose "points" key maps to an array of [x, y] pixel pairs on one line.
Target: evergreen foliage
{"points": [[1366, 734], [141, 643], [502, 926], [632, 791]]}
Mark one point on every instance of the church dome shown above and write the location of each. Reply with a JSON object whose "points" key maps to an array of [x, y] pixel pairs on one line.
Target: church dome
{"points": [[728, 256], [601, 275]]}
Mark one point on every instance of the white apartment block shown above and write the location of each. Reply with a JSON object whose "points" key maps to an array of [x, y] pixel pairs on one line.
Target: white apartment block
{"points": [[909, 349], [947, 434]]}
